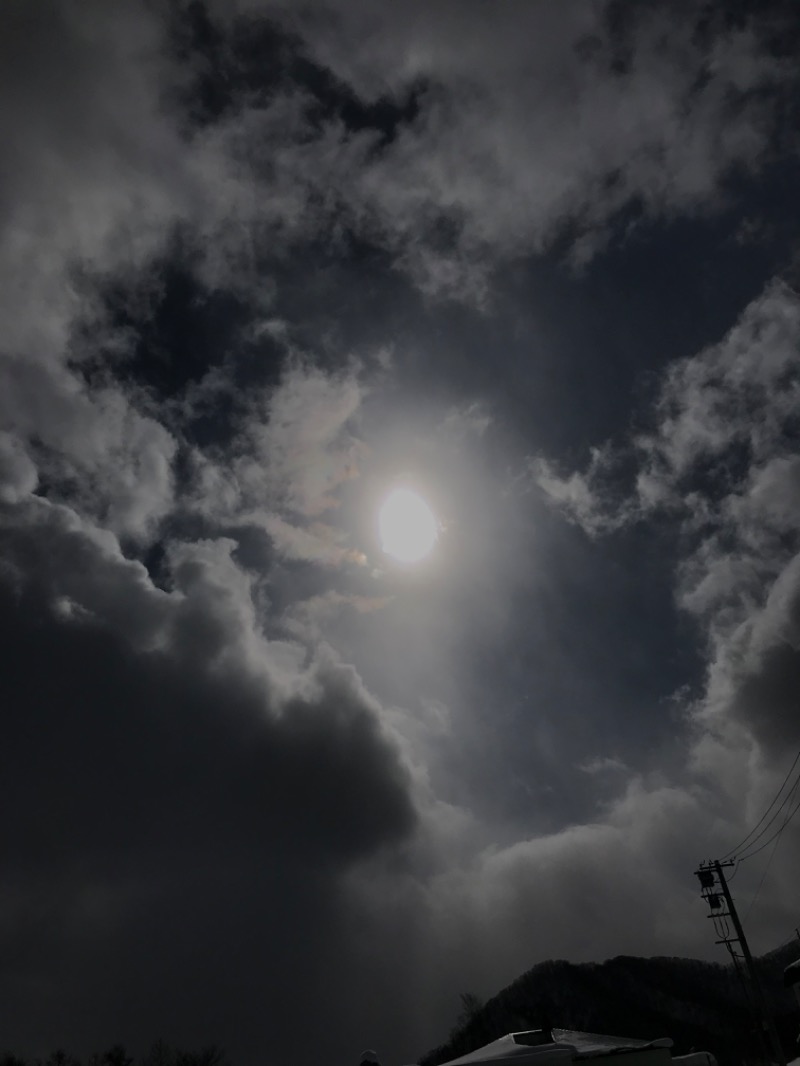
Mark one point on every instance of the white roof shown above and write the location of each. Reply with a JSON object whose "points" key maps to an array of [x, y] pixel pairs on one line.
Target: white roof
{"points": [[566, 1046], [507, 1049], [587, 1044]]}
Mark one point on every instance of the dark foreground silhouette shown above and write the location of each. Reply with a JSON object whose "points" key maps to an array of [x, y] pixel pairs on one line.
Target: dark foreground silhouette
{"points": [[699, 1005], [160, 1054]]}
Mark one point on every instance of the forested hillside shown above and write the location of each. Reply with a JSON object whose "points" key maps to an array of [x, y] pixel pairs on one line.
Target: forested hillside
{"points": [[698, 1004]]}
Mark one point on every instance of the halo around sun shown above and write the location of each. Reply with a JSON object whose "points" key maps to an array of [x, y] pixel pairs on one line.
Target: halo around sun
{"points": [[407, 526]]}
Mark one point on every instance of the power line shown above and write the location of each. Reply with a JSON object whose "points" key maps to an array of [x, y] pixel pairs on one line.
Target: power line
{"points": [[777, 834], [737, 961], [714, 889], [766, 812], [787, 800], [763, 878]]}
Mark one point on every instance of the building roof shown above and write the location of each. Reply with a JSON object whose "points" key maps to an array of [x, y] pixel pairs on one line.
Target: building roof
{"points": [[565, 1046]]}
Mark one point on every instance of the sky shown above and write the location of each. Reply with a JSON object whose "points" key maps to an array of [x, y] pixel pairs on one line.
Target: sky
{"points": [[263, 263]]}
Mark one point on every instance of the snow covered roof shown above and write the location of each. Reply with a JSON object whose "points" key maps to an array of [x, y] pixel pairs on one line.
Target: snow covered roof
{"points": [[566, 1046], [587, 1044], [507, 1049]]}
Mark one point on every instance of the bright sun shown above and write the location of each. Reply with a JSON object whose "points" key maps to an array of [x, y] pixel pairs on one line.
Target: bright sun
{"points": [[407, 526]]}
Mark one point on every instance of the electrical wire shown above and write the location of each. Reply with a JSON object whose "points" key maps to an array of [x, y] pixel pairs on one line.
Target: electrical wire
{"points": [[742, 842], [786, 801], [766, 843], [743, 984], [775, 840], [722, 929], [763, 878], [787, 819]]}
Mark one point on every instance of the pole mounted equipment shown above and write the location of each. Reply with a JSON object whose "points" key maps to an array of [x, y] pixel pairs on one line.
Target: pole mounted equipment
{"points": [[714, 889]]}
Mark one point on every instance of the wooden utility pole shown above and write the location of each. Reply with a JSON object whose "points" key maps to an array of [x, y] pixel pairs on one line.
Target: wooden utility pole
{"points": [[711, 875], [763, 1008]]}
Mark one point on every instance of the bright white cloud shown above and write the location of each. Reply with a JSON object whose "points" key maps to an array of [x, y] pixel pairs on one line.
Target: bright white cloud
{"points": [[721, 461]]}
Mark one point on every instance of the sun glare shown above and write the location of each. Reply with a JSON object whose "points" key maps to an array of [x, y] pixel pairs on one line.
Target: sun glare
{"points": [[407, 526]]}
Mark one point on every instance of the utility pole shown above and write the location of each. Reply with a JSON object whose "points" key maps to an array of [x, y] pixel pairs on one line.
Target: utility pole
{"points": [[712, 875]]}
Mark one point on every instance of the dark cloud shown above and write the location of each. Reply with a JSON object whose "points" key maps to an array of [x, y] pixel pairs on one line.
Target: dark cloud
{"points": [[183, 795], [198, 710], [658, 133]]}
